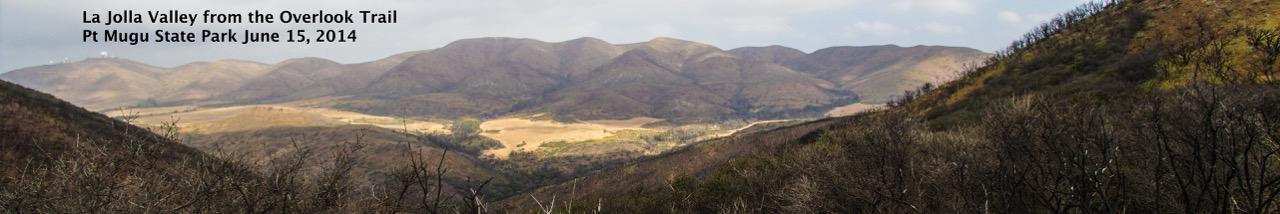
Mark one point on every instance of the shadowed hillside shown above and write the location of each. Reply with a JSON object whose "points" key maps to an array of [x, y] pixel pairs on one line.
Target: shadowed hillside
{"points": [[39, 128], [56, 157], [382, 151]]}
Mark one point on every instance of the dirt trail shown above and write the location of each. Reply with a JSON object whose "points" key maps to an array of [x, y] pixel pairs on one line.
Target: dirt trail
{"points": [[735, 131]]}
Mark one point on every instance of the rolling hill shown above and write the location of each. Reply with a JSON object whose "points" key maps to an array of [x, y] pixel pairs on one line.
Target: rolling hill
{"points": [[580, 79], [94, 83]]}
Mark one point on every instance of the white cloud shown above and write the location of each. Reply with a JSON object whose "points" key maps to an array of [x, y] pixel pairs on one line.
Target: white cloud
{"points": [[1023, 19], [886, 29], [1039, 17], [662, 30], [961, 7], [875, 28], [941, 28], [757, 24], [1010, 17]]}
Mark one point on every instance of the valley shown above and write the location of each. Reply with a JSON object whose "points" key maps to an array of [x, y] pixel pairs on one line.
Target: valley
{"points": [[526, 134], [495, 97], [1117, 106], [522, 112]]}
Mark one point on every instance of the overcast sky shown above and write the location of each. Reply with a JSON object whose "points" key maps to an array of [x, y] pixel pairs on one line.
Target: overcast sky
{"points": [[36, 32]]}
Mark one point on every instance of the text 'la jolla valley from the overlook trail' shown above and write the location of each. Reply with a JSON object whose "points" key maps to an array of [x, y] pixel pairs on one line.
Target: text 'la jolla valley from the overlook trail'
{"points": [[211, 17], [240, 36]]}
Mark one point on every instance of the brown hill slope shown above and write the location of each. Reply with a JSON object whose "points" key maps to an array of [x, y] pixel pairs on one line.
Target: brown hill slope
{"points": [[104, 83], [94, 83], [775, 54], [306, 78], [670, 78], [196, 82], [40, 127], [1125, 49], [55, 156], [285, 79], [881, 73], [384, 151], [658, 173], [664, 78], [479, 77]]}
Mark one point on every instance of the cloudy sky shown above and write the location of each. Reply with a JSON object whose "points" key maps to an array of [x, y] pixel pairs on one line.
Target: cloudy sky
{"points": [[36, 32]]}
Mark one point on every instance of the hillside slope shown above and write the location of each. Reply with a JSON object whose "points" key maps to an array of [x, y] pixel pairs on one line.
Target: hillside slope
{"points": [[39, 128], [881, 73], [1129, 106], [382, 152], [94, 83], [56, 157], [1125, 49], [655, 174]]}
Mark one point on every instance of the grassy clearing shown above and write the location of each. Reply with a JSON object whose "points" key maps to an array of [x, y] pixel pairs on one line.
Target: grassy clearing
{"points": [[252, 117], [523, 134]]}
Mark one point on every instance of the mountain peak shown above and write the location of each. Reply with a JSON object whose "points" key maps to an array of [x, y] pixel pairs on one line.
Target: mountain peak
{"points": [[661, 39], [307, 61], [587, 43], [221, 62], [588, 40], [667, 42], [108, 59], [112, 61], [681, 48], [491, 41], [773, 53]]}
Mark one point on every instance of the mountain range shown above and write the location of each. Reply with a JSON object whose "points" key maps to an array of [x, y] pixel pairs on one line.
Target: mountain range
{"points": [[584, 78]]}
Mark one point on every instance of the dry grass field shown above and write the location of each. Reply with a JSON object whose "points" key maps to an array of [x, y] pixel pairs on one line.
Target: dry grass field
{"points": [[253, 117], [523, 134], [517, 133]]}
